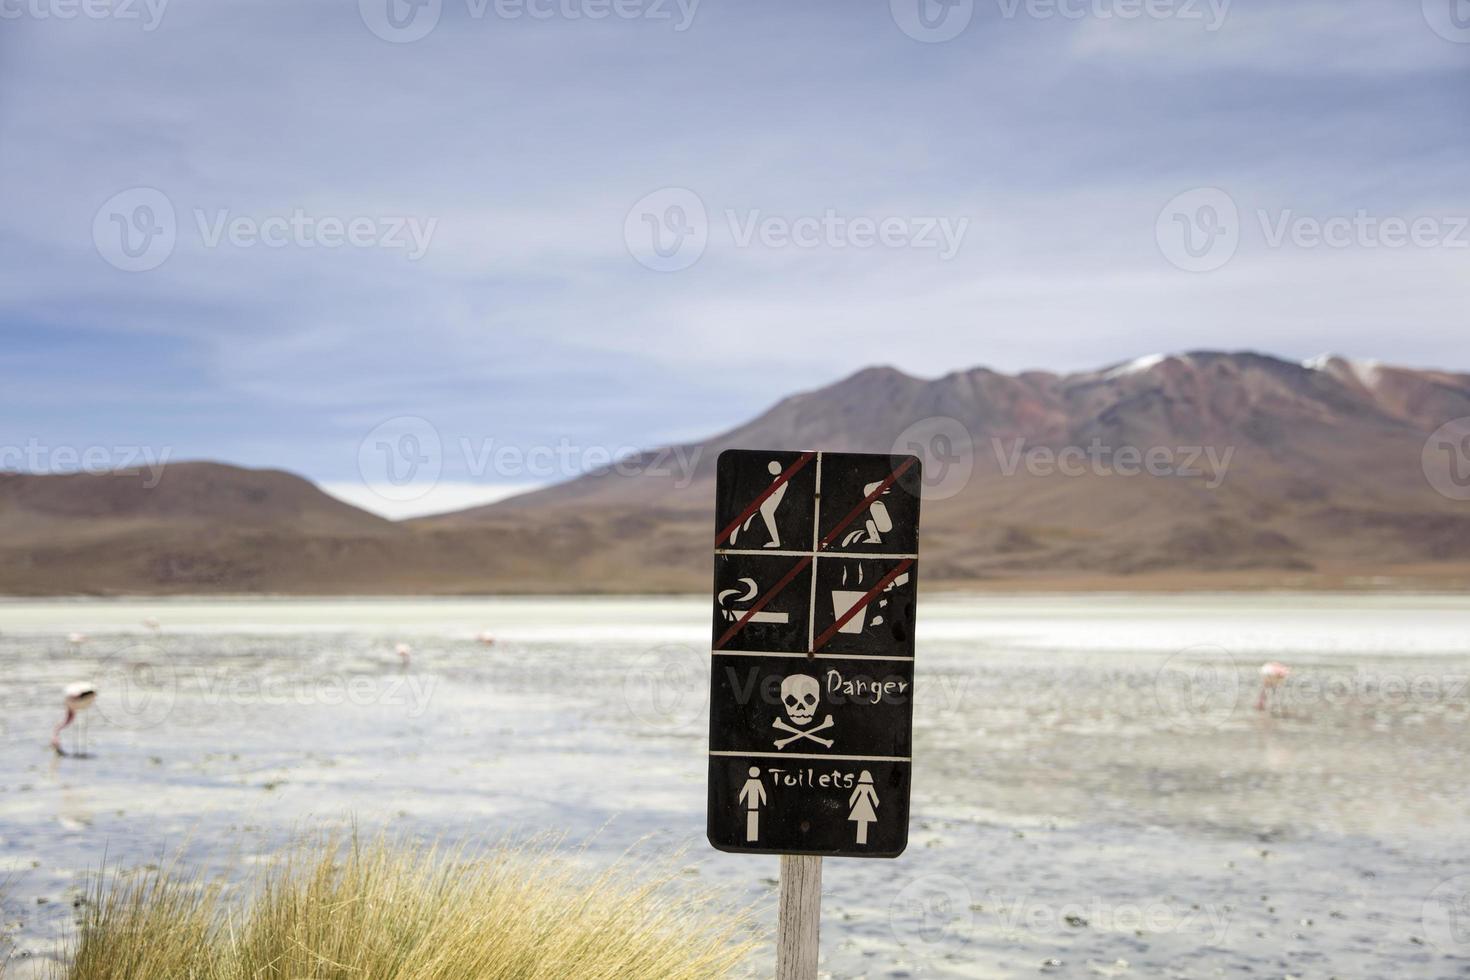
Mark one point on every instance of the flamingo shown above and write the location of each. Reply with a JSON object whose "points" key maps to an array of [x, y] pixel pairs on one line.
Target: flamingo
{"points": [[405, 653], [1273, 675], [76, 697], [76, 639], [485, 638], [152, 624]]}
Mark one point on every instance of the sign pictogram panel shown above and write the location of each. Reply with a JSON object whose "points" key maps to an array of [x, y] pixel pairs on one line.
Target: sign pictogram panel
{"points": [[812, 630]]}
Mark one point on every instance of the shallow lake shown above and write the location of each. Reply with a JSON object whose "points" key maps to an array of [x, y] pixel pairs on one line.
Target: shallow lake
{"points": [[1094, 791]]}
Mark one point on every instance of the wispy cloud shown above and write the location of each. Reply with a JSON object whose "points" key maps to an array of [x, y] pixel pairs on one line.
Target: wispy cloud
{"points": [[520, 146]]}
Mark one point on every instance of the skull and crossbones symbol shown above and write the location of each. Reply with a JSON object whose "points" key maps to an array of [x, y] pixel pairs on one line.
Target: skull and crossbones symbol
{"points": [[799, 695]]}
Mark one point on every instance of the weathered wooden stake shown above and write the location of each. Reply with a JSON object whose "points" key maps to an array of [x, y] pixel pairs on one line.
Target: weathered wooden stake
{"points": [[799, 918]]}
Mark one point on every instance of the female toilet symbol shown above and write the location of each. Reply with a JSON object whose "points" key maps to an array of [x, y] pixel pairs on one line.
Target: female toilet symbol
{"points": [[864, 802]]}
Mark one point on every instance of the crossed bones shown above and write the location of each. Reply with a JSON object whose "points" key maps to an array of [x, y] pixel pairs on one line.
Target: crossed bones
{"points": [[797, 733]]}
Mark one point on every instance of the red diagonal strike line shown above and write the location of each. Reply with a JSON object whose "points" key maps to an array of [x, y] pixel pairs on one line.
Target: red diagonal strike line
{"points": [[857, 607], [802, 563], [755, 504], [867, 501], [764, 600]]}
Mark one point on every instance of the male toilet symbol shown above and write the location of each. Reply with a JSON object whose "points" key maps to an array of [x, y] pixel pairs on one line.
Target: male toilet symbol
{"points": [[864, 803], [767, 511], [799, 694], [753, 794]]}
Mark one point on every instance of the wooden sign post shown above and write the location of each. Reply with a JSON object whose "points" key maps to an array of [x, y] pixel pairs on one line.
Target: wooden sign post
{"points": [[812, 668], [799, 917]]}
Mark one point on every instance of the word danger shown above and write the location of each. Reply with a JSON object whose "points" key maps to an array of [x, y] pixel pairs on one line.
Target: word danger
{"points": [[861, 689], [865, 689]]}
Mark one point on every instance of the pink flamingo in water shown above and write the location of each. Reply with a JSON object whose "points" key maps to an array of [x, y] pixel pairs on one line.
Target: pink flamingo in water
{"points": [[1273, 675], [76, 697], [405, 653]]}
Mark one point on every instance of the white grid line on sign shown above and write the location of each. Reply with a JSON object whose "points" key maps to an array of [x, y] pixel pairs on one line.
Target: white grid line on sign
{"points": [[819, 554], [802, 755], [811, 608], [810, 656]]}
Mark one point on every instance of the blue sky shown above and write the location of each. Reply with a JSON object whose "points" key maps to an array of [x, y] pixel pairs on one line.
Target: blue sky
{"points": [[1057, 141]]}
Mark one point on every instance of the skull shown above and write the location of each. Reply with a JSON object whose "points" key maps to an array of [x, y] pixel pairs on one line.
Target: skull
{"points": [[800, 693]]}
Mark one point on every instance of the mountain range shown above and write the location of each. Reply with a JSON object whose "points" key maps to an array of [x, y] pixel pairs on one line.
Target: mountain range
{"points": [[1195, 470]]}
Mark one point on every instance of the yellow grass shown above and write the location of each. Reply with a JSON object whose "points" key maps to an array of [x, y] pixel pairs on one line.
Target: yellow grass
{"points": [[369, 911]]}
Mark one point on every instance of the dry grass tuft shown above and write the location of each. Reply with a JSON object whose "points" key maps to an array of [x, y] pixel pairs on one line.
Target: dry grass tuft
{"points": [[384, 912]]}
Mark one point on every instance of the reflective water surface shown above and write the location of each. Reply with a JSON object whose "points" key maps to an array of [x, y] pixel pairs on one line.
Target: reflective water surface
{"points": [[1095, 793]]}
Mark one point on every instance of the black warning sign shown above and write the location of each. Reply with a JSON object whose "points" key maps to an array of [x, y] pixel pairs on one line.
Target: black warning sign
{"points": [[811, 693]]}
